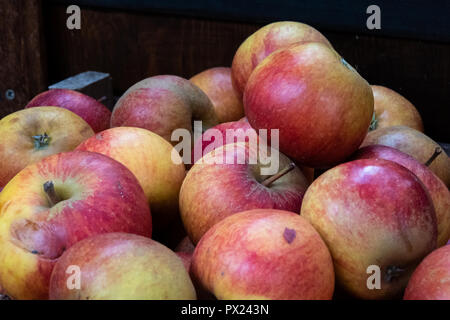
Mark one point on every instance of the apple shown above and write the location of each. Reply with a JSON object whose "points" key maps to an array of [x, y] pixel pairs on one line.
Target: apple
{"points": [[265, 41], [185, 246], [414, 143], [163, 104], [431, 279], [216, 83], [264, 254], [121, 266], [231, 179], [372, 213], [149, 157], [29, 135], [90, 110], [392, 109], [320, 104], [438, 191], [54, 203]]}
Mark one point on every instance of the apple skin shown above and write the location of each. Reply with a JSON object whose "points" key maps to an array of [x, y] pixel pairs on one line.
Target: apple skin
{"points": [[438, 191], [149, 157], [265, 41], [99, 195], [321, 105], [264, 254], [122, 266], [163, 104], [65, 129], [392, 109], [372, 212], [96, 114], [185, 246], [414, 143], [212, 191], [431, 279], [216, 83]]}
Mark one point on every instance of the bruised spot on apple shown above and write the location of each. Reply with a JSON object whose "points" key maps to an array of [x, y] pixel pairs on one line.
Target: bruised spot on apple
{"points": [[247, 256], [54, 203], [372, 212]]}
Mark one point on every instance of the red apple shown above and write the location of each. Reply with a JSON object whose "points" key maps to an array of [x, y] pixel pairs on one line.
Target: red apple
{"points": [[52, 204], [264, 254], [163, 104], [372, 213], [90, 110], [29, 135], [439, 192], [185, 246], [121, 266], [431, 279], [149, 157], [227, 181], [392, 109], [321, 105], [265, 41], [414, 143], [216, 83]]}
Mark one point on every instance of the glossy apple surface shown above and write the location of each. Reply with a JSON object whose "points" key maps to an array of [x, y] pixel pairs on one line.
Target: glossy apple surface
{"points": [[372, 213], [321, 105], [29, 135], [163, 104], [96, 114], [414, 143], [216, 83], [264, 254], [431, 279], [95, 194], [265, 41], [220, 186], [438, 191]]}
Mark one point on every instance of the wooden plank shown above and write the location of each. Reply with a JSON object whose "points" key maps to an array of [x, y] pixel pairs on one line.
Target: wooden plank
{"points": [[132, 46], [22, 55]]}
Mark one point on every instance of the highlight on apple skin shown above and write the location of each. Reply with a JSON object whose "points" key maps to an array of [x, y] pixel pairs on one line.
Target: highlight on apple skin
{"points": [[372, 213], [264, 254], [121, 266], [52, 204]]}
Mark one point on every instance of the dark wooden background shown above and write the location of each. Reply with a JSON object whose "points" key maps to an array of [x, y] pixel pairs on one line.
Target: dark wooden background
{"points": [[37, 49]]}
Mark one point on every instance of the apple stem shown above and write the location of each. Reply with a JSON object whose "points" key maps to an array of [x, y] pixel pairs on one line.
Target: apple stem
{"points": [[393, 272], [267, 182], [41, 140], [437, 152], [52, 197], [373, 122]]}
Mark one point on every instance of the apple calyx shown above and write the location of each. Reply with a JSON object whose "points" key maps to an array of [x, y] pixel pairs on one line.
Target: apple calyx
{"points": [[52, 197], [267, 182], [373, 122], [41, 141], [392, 273], [437, 151]]}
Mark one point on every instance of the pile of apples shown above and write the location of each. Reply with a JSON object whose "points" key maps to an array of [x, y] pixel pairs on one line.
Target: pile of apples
{"points": [[99, 205]]}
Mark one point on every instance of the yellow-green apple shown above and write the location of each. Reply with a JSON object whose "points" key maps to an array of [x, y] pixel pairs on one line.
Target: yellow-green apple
{"points": [[392, 109], [149, 157], [54, 203], [264, 254], [29, 135], [431, 279], [414, 143], [320, 104], [121, 266], [216, 83], [438, 191], [163, 104], [234, 178], [377, 218], [265, 41], [96, 114]]}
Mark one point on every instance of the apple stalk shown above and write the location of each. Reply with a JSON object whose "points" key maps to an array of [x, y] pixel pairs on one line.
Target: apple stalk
{"points": [[437, 152], [267, 182]]}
